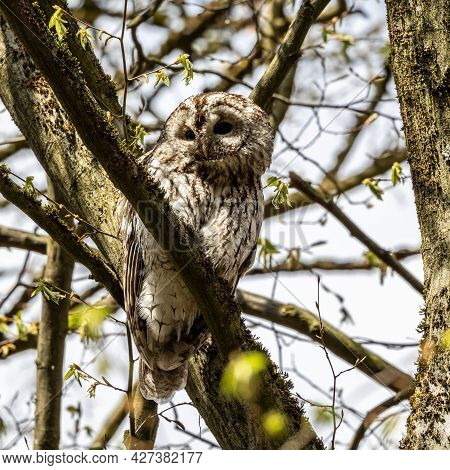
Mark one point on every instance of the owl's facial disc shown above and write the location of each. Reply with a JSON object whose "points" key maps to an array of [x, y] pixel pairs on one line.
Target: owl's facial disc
{"points": [[220, 127]]}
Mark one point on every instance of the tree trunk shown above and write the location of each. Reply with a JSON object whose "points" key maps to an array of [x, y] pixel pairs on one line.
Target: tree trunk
{"points": [[419, 37], [50, 348]]}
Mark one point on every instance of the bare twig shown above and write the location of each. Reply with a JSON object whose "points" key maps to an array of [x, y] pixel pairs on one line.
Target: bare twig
{"points": [[355, 231], [373, 414]]}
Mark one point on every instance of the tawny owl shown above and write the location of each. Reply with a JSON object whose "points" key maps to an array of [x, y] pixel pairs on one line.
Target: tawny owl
{"points": [[209, 159]]}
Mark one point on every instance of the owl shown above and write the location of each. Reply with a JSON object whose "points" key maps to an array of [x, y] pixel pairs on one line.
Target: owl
{"points": [[209, 160]]}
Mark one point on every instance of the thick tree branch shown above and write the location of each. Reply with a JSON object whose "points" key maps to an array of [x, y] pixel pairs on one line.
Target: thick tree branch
{"points": [[48, 219], [73, 170], [288, 53], [336, 341]]}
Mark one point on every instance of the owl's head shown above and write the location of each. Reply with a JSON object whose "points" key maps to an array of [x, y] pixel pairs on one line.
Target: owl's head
{"points": [[220, 129]]}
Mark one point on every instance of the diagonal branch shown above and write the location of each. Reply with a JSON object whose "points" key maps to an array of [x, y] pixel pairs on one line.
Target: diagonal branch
{"points": [[355, 231], [337, 342], [373, 414], [48, 219], [288, 53], [330, 188]]}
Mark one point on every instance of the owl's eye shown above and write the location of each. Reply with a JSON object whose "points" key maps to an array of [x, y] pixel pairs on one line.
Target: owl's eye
{"points": [[189, 135], [223, 128]]}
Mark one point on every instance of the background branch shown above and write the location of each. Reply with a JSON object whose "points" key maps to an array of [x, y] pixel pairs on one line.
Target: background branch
{"points": [[50, 347]]}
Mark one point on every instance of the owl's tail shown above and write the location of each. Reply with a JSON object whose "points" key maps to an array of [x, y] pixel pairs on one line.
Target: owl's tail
{"points": [[160, 385]]}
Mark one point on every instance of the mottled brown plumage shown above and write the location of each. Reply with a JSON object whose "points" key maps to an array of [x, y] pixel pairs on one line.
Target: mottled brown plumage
{"points": [[209, 160]]}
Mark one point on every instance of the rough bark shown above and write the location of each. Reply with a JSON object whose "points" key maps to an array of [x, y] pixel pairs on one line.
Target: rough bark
{"points": [[288, 53], [50, 350], [419, 33], [78, 177]]}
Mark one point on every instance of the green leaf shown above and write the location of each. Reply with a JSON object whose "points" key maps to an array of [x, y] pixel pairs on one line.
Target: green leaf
{"points": [[69, 373], [397, 174], [87, 320], [323, 415], [375, 262], [267, 250], [281, 196], [92, 389], [346, 39], [85, 37], [139, 135], [49, 294], [372, 184], [389, 426], [274, 424], [162, 77], [241, 378], [4, 328], [445, 339], [183, 59], [29, 188], [57, 22]]}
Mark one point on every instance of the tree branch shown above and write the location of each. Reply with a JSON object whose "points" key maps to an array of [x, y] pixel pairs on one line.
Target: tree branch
{"points": [[373, 414], [50, 349], [13, 238], [6, 150], [329, 188], [288, 53], [355, 231], [48, 219], [337, 342], [292, 264]]}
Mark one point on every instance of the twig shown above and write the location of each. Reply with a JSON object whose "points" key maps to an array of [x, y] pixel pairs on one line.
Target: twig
{"points": [[338, 343], [373, 414], [335, 376], [355, 231], [125, 70]]}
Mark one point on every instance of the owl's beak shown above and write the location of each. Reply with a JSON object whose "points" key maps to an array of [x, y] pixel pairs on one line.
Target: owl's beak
{"points": [[205, 149]]}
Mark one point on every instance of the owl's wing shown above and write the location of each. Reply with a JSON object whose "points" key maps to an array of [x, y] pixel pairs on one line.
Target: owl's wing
{"points": [[134, 277], [246, 264]]}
